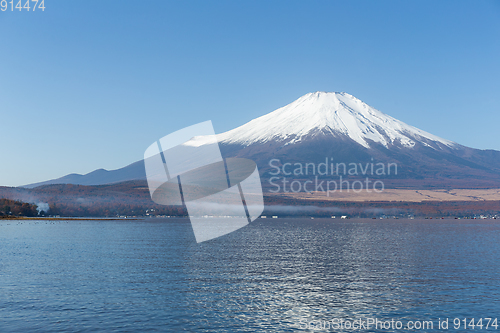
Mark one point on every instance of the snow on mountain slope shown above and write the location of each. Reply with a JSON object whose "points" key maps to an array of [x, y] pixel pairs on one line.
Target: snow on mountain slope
{"points": [[328, 112]]}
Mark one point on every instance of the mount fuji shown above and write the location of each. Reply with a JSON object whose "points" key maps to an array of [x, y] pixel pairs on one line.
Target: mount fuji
{"points": [[339, 127], [330, 114]]}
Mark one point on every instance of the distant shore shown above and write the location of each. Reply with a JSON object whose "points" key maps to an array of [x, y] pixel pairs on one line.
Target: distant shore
{"points": [[399, 195], [7, 218]]}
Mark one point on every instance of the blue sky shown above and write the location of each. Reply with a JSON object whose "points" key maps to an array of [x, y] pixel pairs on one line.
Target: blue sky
{"points": [[91, 84]]}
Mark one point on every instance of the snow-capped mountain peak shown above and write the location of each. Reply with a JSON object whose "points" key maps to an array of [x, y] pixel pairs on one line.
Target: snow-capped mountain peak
{"points": [[338, 113], [340, 127]]}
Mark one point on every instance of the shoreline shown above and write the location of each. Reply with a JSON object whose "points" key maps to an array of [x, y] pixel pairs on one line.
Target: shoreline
{"points": [[11, 218]]}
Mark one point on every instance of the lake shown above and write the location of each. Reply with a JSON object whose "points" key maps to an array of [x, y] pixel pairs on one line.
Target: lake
{"points": [[275, 275]]}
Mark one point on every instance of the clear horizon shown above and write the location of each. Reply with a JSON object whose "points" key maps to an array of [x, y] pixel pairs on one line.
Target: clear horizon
{"points": [[87, 85]]}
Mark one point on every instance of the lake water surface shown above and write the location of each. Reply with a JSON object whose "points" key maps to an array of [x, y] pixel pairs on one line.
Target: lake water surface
{"points": [[273, 275]]}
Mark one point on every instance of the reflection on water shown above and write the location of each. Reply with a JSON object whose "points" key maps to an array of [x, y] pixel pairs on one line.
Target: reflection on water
{"points": [[151, 274]]}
